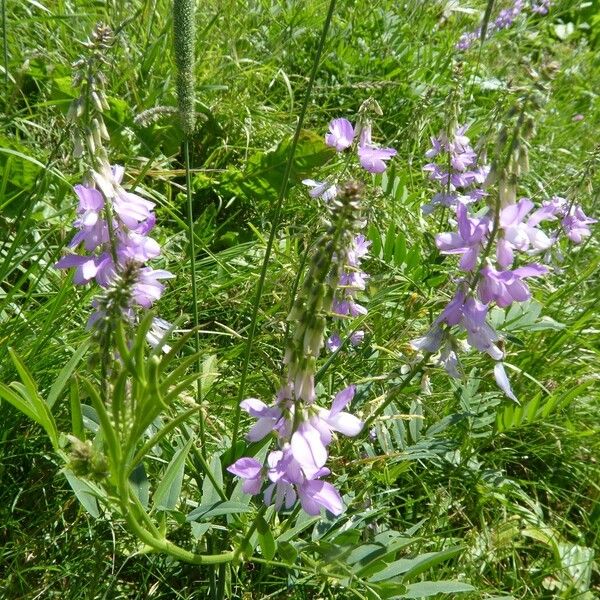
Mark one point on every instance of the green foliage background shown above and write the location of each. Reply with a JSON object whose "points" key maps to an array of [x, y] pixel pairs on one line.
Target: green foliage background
{"points": [[516, 487]]}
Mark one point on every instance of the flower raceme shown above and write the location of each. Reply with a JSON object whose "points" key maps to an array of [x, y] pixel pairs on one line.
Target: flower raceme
{"points": [[458, 170], [131, 219], [304, 434], [351, 280], [303, 429], [506, 17], [341, 136]]}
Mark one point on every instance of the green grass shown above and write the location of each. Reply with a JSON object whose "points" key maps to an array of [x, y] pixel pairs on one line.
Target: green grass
{"points": [[520, 494]]}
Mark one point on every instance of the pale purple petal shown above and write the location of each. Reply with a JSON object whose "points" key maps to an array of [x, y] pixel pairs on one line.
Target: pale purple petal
{"points": [[502, 380], [308, 449], [373, 159], [342, 399], [316, 494], [246, 468], [345, 423], [341, 134]]}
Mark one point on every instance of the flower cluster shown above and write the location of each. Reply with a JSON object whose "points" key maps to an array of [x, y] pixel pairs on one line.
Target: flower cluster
{"points": [[513, 228], [304, 430], [351, 281], [506, 17], [457, 170], [341, 136], [113, 228]]}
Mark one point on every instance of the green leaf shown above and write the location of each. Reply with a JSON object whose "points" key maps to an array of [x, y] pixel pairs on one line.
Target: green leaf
{"points": [[411, 567], [138, 480], [416, 422], [199, 529], [65, 374], [265, 538], [207, 511], [30, 402], [210, 373], [85, 493], [264, 172], [424, 589], [375, 238], [390, 242], [399, 249], [210, 495], [167, 493]]}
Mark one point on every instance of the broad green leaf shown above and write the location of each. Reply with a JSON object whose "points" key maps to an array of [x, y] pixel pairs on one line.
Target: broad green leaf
{"points": [[207, 511], [209, 494], [85, 493], [138, 481], [375, 238], [265, 538], [210, 373], [399, 249], [411, 567], [167, 493], [199, 529], [424, 589]]}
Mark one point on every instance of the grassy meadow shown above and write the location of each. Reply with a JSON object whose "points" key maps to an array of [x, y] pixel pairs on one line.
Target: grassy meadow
{"points": [[454, 490]]}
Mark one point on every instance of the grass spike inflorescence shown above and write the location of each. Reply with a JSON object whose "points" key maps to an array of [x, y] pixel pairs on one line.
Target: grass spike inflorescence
{"points": [[184, 37]]}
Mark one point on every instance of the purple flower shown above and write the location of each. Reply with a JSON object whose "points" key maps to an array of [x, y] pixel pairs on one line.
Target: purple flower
{"points": [[506, 287], [334, 342], [335, 419], [549, 211], [86, 267], [269, 417], [321, 189], [576, 224], [449, 360], [130, 208], [431, 341], [470, 314], [90, 206], [148, 289], [341, 134], [371, 158], [316, 494], [357, 337], [358, 250], [136, 247], [251, 471], [467, 241], [518, 235], [308, 448]]}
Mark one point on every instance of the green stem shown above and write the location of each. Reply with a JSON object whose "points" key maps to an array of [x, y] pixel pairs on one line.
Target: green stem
{"points": [[196, 319], [5, 46], [249, 533], [274, 228]]}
